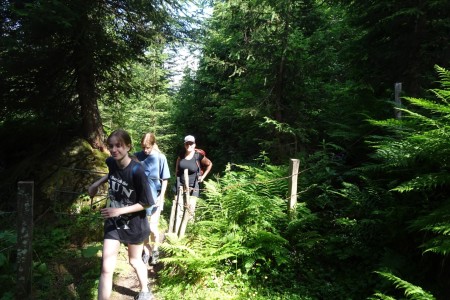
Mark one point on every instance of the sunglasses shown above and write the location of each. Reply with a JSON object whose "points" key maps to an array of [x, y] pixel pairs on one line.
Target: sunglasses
{"points": [[189, 143]]}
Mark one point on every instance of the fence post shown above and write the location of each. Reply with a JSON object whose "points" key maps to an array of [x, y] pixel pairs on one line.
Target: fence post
{"points": [[293, 171], [25, 197], [398, 100]]}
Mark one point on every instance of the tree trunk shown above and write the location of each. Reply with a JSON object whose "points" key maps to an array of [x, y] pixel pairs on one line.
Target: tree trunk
{"points": [[86, 88], [92, 123]]}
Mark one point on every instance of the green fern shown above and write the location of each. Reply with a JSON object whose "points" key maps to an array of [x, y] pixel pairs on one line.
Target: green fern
{"points": [[237, 227], [418, 153], [421, 143], [444, 74], [425, 182], [437, 225], [411, 291]]}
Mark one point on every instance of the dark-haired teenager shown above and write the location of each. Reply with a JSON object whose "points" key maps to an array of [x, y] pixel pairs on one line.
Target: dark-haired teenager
{"points": [[125, 216]]}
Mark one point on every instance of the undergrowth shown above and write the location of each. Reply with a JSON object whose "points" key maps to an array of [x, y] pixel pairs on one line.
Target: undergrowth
{"points": [[235, 248]]}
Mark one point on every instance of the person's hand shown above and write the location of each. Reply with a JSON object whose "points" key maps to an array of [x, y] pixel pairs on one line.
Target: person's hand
{"points": [[200, 178], [110, 212], [92, 190]]}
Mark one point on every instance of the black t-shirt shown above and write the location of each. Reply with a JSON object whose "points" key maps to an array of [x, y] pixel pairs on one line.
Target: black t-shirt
{"points": [[193, 169], [127, 187], [192, 165]]}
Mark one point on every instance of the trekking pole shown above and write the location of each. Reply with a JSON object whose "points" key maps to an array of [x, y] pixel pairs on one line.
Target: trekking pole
{"points": [[187, 205], [172, 214], [173, 228], [179, 209]]}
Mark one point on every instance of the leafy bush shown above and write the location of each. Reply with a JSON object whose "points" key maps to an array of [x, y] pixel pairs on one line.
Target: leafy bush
{"points": [[235, 245], [419, 153]]}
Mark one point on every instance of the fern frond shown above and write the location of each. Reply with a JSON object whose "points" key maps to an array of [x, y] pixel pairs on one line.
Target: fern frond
{"points": [[444, 76], [425, 182], [380, 296], [429, 105], [438, 245], [411, 291], [437, 223]]}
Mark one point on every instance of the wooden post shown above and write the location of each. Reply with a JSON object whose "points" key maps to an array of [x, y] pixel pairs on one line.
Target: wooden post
{"points": [[293, 170], [25, 195], [398, 100]]}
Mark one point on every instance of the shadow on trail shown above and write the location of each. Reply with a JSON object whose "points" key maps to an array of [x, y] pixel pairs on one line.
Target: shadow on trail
{"points": [[124, 290]]}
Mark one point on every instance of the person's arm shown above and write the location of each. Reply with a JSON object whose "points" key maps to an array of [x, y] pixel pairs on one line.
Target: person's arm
{"points": [[93, 188], [163, 192], [208, 163], [164, 175], [111, 212]]}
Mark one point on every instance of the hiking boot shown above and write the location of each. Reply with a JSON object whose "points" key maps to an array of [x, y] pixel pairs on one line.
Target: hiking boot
{"points": [[155, 257], [145, 258], [144, 296]]}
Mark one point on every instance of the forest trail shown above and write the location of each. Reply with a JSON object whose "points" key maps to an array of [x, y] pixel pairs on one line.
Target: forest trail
{"points": [[126, 284]]}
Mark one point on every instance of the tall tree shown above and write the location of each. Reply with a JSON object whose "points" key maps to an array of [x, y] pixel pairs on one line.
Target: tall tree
{"points": [[63, 55], [401, 41], [148, 108], [261, 75]]}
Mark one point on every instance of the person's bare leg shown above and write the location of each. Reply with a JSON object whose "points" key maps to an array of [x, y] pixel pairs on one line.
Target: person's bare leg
{"points": [[147, 247], [154, 229], [135, 259], [109, 258]]}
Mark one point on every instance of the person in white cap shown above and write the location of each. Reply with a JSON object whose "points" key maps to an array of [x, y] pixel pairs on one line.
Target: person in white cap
{"points": [[197, 164], [195, 161]]}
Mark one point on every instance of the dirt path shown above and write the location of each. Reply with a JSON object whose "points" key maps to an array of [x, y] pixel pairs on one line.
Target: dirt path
{"points": [[126, 284]]}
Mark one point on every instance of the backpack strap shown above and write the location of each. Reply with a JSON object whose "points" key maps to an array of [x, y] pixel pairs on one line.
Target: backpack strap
{"points": [[197, 161], [197, 156], [133, 171]]}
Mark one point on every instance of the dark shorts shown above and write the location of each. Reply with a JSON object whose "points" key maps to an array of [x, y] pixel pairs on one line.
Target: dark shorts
{"points": [[114, 235], [124, 236]]}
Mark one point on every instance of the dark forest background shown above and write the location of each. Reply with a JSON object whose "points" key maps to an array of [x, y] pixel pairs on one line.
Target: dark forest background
{"points": [[275, 80]]}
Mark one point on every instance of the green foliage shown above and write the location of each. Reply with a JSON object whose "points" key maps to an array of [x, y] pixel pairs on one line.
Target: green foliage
{"points": [[417, 156], [389, 30], [8, 239], [148, 108], [236, 238], [340, 222], [422, 144], [266, 71], [285, 77], [437, 226], [87, 220], [62, 57], [411, 291]]}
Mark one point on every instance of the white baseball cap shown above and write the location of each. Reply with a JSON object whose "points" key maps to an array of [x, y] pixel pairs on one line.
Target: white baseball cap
{"points": [[189, 138]]}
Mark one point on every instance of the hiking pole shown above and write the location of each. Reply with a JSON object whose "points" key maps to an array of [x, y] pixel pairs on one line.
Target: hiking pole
{"points": [[186, 210], [179, 210], [173, 212]]}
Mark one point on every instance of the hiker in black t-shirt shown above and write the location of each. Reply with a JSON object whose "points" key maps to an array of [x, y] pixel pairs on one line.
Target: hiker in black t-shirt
{"points": [[197, 164], [124, 214]]}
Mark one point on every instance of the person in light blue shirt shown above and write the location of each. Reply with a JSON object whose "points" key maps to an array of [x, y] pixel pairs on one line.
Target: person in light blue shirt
{"points": [[157, 172]]}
